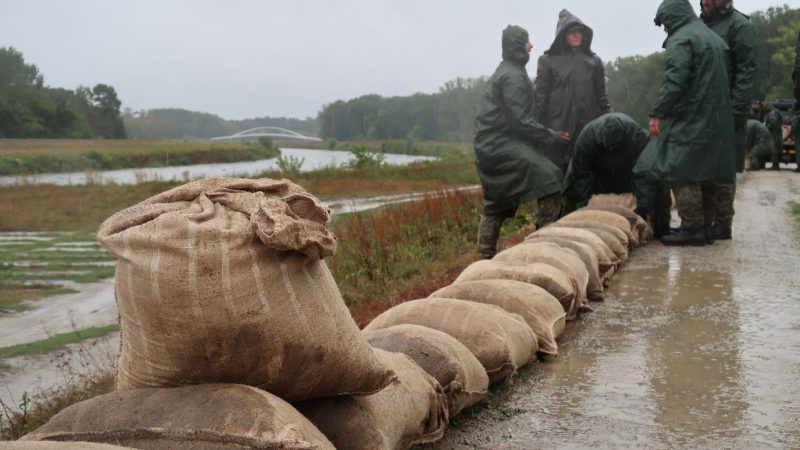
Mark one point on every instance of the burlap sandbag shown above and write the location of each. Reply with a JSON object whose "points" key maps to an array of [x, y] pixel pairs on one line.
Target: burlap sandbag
{"points": [[456, 369], [411, 411], [626, 200], [540, 310], [221, 280], [604, 253], [203, 417], [607, 218], [559, 257], [621, 237], [589, 257], [609, 239], [550, 278], [638, 224], [501, 341], [50, 445]]}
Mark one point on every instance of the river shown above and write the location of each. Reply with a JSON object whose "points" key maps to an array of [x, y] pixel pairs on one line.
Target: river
{"points": [[312, 160]]}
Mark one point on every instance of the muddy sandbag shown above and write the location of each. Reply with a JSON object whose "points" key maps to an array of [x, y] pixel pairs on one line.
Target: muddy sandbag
{"points": [[644, 231], [589, 257], [411, 411], [457, 370], [607, 218], [620, 236], [501, 341], [203, 417], [540, 310], [550, 278], [52, 445], [626, 200], [604, 253], [221, 280]]}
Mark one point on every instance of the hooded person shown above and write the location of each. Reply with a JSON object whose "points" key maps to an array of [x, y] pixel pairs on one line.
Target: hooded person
{"points": [[695, 142], [759, 144], [738, 32], [507, 139], [570, 86], [605, 152]]}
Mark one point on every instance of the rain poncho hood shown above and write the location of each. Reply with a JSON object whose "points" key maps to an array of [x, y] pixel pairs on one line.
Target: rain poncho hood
{"points": [[674, 14], [721, 8], [566, 21], [514, 39], [508, 137]]}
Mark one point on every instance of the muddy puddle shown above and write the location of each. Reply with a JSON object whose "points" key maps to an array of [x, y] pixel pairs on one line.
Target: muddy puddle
{"points": [[694, 347]]}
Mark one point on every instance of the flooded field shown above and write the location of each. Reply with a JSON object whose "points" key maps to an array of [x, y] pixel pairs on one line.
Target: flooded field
{"points": [[694, 347]]}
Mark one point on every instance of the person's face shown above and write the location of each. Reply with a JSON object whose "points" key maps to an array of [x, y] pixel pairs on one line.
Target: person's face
{"points": [[708, 6], [528, 46], [756, 105], [575, 37]]}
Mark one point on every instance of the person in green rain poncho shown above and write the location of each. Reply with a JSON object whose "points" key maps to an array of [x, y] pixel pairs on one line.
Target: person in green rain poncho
{"points": [[507, 143], [692, 116]]}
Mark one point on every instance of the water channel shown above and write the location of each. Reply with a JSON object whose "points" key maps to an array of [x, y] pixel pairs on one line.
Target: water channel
{"points": [[312, 160]]}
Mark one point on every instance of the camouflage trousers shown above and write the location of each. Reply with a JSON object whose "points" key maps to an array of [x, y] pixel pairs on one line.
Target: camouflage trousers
{"points": [[700, 206], [549, 209]]}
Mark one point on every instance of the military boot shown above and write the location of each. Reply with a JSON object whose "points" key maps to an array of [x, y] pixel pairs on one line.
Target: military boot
{"points": [[488, 234], [720, 232], [698, 237]]}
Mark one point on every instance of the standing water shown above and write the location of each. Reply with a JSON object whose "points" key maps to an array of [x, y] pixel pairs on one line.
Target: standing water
{"points": [[312, 160]]}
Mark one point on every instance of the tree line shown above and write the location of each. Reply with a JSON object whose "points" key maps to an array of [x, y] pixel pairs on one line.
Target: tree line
{"points": [[29, 109]]}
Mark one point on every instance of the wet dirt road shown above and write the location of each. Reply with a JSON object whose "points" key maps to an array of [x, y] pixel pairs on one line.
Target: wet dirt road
{"points": [[694, 347]]}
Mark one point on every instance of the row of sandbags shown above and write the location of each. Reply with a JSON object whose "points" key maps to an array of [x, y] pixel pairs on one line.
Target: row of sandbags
{"points": [[228, 313]]}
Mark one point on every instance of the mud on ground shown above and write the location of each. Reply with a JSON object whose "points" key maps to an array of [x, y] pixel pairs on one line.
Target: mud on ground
{"points": [[694, 347]]}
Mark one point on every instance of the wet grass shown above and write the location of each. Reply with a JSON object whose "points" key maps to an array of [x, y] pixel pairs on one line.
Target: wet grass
{"points": [[56, 342], [35, 266]]}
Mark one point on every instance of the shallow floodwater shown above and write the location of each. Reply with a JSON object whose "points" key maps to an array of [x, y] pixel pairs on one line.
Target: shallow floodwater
{"points": [[693, 347], [313, 159]]}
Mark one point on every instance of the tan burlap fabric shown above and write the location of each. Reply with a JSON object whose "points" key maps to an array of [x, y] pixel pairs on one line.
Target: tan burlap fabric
{"points": [[626, 200], [501, 341], [540, 310], [221, 281], [411, 411], [604, 253], [620, 250], [559, 257], [204, 417], [456, 369], [607, 218], [550, 278], [638, 224], [50, 445], [620, 235]]}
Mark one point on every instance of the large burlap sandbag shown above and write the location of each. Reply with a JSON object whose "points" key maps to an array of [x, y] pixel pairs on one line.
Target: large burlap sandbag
{"points": [[548, 277], [411, 411], [501, 341], [203, 417], [609, 239], [589, 257], [549, 253], [221, 280], [50, 445], [540, 310], [618, 234], [457, 370], [604, 253], [607, 218], [638, 224], [626, 200]]}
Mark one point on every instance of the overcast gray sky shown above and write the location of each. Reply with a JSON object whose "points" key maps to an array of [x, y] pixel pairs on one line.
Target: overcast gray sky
{"points": [[248, 58]]}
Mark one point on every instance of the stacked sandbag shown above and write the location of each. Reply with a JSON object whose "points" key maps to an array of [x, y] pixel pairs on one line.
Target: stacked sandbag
{"points": [[599, 272], [541, 311], [222, 281], [626, 200], [559, 257], [641, 227], [604, 254], [203, 417], [411, 411], [548, 277], [500, 340], [608, 219], [457, 370]]}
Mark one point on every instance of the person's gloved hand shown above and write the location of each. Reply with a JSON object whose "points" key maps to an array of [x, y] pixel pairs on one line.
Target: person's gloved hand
{"points": [[739, 121]]}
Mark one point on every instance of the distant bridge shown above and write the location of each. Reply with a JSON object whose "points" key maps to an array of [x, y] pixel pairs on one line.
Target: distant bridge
{"points": [[270, 132]]}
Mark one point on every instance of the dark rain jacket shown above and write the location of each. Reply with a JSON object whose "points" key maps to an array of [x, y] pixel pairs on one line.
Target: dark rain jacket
{"points": [[796, 71], [649, 179], [738, 32], [759, 140], [595, 169], [696, 144], [507, 136], [570, 87], [775, 127]]}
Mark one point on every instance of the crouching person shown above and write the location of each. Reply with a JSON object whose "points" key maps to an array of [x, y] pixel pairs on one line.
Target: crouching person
{"points": [[507, 138]]}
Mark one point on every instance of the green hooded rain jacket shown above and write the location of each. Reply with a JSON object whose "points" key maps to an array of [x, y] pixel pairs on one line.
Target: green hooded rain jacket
{"points": [[759, 140], [697, 135], [595, 169], [511, 169]]}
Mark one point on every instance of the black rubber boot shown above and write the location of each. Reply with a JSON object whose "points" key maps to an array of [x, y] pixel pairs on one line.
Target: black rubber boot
{"points": [[720, 232], [698, 237]]}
